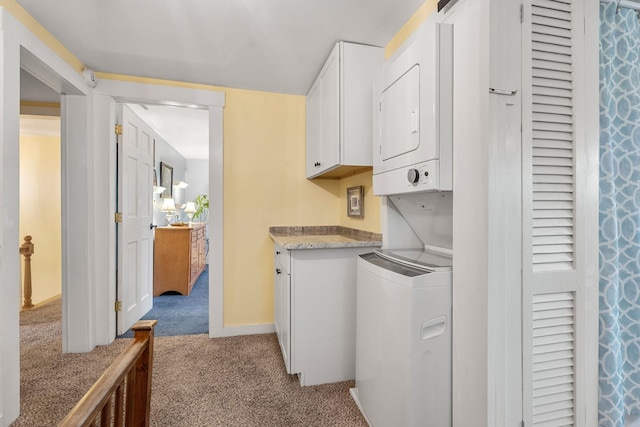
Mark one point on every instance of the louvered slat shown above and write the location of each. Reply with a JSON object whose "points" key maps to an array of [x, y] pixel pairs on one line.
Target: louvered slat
{"points": [[552, 170], [551, 22], [553, 231], [555, 5], [553, 387], [551, 100], [553, 48], [560, 144], [551, 56], [555, 75], [553, 36]]}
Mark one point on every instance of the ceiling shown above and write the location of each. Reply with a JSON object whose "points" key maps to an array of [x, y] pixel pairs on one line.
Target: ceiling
{"points": [[274, 46], [185, 129]]}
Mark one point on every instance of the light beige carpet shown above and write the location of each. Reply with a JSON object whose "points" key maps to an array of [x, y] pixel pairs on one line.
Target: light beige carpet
{"points": [[197, 381]]}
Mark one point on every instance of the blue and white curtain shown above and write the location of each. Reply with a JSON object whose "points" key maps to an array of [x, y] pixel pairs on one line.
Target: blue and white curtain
{"points": [[619, 376]]}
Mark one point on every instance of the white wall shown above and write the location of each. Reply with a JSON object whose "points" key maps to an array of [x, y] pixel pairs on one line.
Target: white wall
{"points": [[470, 213], [197, 176], [167, 154]]}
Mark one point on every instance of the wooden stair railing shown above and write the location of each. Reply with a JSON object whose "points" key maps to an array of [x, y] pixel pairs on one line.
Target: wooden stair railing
{"points": [[122, 395]]}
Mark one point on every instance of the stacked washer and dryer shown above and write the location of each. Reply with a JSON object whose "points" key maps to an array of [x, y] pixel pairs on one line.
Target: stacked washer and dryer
{"points": [[404, 301]]}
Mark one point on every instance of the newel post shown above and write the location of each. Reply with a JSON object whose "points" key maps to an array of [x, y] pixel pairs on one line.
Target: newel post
{"points": [[26, 249]]}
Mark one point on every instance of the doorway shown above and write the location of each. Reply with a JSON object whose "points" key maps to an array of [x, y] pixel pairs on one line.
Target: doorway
{"points": [[177, 140], [40, 188]]}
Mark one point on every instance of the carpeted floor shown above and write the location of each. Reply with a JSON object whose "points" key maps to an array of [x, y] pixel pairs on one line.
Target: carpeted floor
{"points": [[197, 381], [181, 315]]}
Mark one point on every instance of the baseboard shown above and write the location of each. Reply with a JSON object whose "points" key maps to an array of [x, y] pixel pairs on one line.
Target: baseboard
{"points": [[232, 331], [356, 398], [41, 303]]}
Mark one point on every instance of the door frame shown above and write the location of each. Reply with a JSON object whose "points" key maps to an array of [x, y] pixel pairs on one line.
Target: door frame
{"points": [[20, 48], [106, 95]]}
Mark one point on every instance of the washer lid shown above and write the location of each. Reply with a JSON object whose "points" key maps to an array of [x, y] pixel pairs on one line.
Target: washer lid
{"points": [[419, 258]]}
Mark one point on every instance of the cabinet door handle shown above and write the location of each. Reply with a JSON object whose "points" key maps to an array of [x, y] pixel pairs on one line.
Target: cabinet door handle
{"points": [[278, 271]]}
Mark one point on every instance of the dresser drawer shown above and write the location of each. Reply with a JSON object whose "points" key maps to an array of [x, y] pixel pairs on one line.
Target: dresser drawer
{"points": [[194, 252]]}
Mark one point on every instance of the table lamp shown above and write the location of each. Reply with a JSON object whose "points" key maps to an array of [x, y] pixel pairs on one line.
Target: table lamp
{"points": [[190, 209], [168, 207]]}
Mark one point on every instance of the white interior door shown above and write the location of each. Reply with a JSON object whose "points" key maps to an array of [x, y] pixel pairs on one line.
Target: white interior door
{"points": [[135, 203]]}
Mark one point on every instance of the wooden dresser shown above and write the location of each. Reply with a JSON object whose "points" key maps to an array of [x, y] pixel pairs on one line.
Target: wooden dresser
{"points": [[179, 257]]}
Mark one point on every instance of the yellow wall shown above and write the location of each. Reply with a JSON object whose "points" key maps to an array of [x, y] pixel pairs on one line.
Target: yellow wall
{"points": [[40, 212], [264, 185], [371, 220]]}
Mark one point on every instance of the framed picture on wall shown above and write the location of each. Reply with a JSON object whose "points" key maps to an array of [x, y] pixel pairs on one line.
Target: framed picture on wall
{"points": [[166, 180], [355, 201]]}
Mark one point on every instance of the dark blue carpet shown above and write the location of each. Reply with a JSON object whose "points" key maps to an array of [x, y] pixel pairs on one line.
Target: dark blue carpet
{"points": [[180, 315]]}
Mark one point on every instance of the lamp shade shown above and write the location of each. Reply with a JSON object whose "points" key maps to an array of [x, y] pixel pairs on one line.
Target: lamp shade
{"points": [[168, 205], [190, 208]]}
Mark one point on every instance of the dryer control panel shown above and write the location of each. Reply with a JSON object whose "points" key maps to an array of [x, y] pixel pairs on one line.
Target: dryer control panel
{"points": [[423, 176]]}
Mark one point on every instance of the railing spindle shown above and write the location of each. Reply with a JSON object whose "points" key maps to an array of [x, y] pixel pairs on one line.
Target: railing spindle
{"points": [[26, 249]]}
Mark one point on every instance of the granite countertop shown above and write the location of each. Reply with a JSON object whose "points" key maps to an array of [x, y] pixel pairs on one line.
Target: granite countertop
{"points": [[321, 237]]}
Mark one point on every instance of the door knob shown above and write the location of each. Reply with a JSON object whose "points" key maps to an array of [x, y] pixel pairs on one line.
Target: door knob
{"points": [[278, 271], [152, 226]]}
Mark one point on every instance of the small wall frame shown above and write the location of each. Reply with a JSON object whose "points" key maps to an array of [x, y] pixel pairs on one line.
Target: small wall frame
{"points": [[355, 201]]}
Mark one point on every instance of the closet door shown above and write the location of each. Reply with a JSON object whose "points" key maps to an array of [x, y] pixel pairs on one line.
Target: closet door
{"points": [[557, 206]]}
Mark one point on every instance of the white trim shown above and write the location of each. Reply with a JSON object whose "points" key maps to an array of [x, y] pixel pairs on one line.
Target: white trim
{"points": [[504, 369], [590, 180], [145, 92], [9, 220], [20, 47], [214, 101], [77, 289], [232, 331], [216, 222]]}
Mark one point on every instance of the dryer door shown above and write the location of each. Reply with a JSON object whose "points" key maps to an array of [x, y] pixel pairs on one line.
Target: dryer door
{"points": [[400, 116]]}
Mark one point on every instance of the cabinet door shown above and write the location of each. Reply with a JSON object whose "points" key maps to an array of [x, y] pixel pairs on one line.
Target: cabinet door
{"points": [[282, 313], [314, 129], [330, 148], [323, 118]]}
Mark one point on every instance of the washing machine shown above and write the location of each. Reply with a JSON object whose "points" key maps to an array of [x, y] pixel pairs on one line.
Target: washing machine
{"points": [[403, 338]]}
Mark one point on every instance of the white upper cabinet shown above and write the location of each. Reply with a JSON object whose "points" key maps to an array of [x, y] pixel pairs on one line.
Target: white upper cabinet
{"points": [[339, 111]]}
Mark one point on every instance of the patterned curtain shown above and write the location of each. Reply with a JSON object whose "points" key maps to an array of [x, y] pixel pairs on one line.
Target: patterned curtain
{"points": [[619, 373]]}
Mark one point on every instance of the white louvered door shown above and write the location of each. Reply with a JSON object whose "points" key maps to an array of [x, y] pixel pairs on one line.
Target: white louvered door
{"points": [[552, 208]]}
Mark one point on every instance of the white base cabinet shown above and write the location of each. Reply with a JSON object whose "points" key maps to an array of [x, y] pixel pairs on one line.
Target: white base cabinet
{"points": [[314, 304]]}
